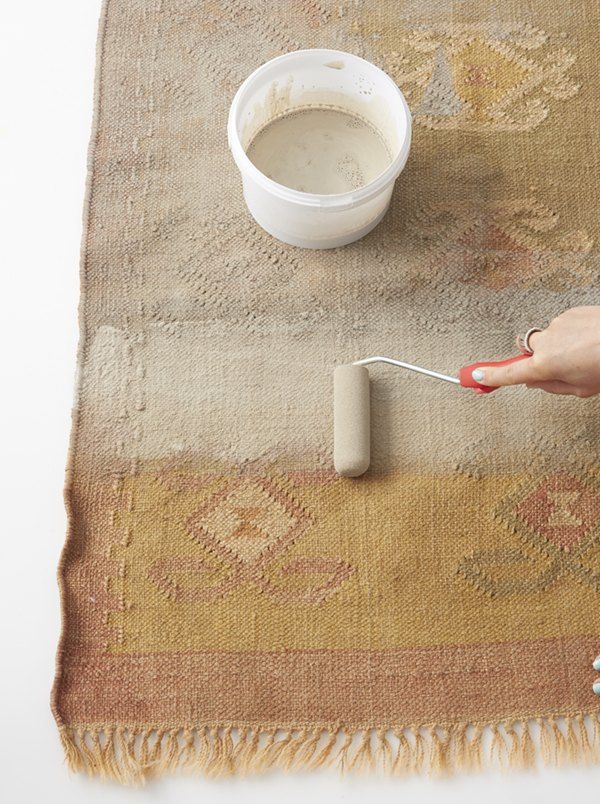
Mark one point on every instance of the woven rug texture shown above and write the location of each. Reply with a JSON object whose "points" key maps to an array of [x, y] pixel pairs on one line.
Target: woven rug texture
{"points": [[230, 605]]}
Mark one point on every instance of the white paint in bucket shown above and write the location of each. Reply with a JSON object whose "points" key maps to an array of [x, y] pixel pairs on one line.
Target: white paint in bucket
{"points": [[322, 151], [318, 79]]}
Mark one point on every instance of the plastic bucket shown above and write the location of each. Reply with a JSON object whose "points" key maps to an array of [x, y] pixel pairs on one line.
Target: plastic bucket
{"points": [[318, 79]]}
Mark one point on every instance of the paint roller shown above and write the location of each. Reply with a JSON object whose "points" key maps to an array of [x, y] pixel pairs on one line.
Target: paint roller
{"points": [[352, 406]]}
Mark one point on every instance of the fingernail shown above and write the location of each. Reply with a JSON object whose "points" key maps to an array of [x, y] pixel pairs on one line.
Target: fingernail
{"points": [[596, 663], [478, 375], [596, 687]]}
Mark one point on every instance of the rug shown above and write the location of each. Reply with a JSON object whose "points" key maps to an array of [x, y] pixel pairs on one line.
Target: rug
{"points": [[229, 604]]}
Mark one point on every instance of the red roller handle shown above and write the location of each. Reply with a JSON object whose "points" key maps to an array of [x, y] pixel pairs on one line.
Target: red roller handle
{"points": [[465, 374]]}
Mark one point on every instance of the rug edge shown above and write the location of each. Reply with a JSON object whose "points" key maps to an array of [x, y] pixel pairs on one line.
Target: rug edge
{"points": [[135, 755], [70, 531]]}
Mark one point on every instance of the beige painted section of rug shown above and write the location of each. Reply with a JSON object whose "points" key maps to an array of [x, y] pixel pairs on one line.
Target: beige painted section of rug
{"points": [[231, 606], [277, 401]]}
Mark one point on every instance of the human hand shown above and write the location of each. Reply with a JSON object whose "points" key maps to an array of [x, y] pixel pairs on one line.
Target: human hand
{"points": [[565, 360]]}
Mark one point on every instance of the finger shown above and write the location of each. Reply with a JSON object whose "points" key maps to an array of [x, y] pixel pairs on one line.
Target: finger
{"points": [[523, 371], [555, 387]]}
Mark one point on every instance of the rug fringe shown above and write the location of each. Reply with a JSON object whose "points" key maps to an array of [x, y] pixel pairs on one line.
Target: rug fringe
{"points": [[132, 756]]}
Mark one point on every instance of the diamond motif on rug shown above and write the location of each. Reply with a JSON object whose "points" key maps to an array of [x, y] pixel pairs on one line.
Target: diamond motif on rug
{"points": [[247, 520], [558, 523], [562, 510], [476, 78]]}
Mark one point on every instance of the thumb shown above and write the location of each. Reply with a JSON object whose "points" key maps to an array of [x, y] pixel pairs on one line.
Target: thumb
{"points": [[523, 371]]}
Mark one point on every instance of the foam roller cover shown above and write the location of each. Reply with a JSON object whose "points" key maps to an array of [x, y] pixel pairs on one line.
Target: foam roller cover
{"points": [[351, 420]]}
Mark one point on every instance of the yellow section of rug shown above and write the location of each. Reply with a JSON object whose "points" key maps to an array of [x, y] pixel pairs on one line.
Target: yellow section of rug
{"points": [[275, 562]]}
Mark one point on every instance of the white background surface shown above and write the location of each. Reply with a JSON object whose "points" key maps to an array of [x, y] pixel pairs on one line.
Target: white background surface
{"points": [[47, 53]]}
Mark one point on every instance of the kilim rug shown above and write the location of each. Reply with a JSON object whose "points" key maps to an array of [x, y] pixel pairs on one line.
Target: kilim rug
{"points": [[230, 605]]}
